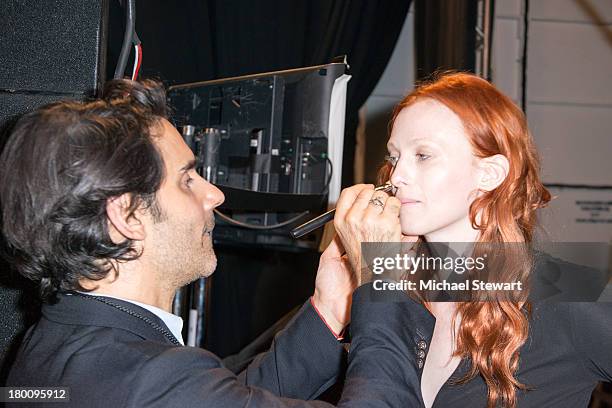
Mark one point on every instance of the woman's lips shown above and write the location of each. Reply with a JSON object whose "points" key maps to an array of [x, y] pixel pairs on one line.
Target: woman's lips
{"points": [[409, 202]]}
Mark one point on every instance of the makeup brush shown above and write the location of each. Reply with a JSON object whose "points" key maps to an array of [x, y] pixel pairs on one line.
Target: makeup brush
{"points": [[323, 219]]}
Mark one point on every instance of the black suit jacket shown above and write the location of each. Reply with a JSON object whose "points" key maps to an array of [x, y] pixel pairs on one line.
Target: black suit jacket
{"points": [[109, 357]]}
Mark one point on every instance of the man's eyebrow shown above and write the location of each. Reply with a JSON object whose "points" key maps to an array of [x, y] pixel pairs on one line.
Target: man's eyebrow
{"points": [[189, 166]]}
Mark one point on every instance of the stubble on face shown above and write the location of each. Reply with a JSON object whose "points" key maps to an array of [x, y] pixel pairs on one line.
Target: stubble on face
{"points": [[183, 252], [180, 242]]}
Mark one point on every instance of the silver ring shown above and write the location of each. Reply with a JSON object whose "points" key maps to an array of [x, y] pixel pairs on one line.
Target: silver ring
{"points": [[377, 202]]}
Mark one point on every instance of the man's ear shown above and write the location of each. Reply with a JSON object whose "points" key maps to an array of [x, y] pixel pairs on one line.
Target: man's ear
{"points": [[493, 171], [121, 223]]}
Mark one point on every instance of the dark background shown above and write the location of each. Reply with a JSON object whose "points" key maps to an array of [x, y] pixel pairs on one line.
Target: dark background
{"points": [[61, 49], [192, 41]]}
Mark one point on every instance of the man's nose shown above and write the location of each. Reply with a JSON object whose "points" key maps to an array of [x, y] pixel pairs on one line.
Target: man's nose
{"points": [[213, 197]]}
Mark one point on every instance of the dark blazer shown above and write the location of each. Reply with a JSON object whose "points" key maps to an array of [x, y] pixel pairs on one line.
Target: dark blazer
{"points": [[121, 355], [568, 349]]}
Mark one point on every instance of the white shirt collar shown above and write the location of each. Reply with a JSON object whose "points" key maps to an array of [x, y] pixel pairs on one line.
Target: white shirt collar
{"points": [[173, 322]]}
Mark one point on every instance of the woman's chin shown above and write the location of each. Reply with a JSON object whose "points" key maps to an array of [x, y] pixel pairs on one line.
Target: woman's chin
{"points": [[413, 230]]}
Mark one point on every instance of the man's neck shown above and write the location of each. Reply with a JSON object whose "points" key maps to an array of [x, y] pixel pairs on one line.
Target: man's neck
{"points": [[157, 298], [135, 284]]}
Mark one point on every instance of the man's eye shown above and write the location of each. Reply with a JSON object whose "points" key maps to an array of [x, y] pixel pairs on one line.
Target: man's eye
{"points": [[422, 156], [188, 181], [392, 160]]}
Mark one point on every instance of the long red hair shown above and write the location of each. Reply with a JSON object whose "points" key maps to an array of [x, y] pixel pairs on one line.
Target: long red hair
{"points": [[491, 333]]}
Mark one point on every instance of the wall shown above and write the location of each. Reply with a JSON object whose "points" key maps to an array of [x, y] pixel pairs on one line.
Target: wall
{"points": [[568, 104]]}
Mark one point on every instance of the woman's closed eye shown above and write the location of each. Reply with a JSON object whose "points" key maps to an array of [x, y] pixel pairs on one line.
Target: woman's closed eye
{"points": [[392, 160]]}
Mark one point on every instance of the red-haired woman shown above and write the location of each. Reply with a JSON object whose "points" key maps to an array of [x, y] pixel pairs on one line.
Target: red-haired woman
{"points": [[466, 170]]}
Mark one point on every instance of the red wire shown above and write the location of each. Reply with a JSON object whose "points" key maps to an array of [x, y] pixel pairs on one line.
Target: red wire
{"points": [[138, 63]]}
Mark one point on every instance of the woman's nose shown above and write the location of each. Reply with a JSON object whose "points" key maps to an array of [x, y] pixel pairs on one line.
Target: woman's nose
{"points": [[396, 177], [401, 174]]}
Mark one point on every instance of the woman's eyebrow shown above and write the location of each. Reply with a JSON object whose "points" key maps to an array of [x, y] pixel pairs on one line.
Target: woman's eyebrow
{"points": [[434, 141]]}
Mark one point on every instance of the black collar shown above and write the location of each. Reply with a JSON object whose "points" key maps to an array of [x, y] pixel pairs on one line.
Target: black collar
{"points": [[89, 310]]}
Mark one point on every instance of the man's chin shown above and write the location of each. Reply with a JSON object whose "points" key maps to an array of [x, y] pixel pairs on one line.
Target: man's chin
{"points": [[204, 270], [210, 270], [210, 265]]}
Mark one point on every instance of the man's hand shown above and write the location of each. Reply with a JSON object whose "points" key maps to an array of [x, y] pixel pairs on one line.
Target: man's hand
{"points": [[334, 287], [365, 215]]}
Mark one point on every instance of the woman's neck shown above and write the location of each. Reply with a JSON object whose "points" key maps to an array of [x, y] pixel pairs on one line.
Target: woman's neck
{"points": [[460, 235]]}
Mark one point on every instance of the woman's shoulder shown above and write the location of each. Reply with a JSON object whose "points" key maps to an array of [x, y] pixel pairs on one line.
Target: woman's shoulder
{"points": [[571, 331], [564, 297], [558, 280], [570, 314]]}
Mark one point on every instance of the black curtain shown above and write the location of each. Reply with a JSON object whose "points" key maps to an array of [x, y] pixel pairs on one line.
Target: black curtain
{"points": [[445, 36], [187, 41]]}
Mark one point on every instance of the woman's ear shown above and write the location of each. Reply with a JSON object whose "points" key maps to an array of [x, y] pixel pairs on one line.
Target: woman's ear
{"points": [[123, 225], [493, 171]]}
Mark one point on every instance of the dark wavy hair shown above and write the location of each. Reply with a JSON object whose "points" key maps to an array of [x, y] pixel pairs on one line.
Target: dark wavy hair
{"points": [[61, 164]]}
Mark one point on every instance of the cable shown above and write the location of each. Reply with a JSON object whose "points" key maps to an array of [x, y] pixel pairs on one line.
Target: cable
{"points": [[137, 56], [329, 176], [137, 61], [524, 67], [232, 221], [128, 39], [259, 227]]}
